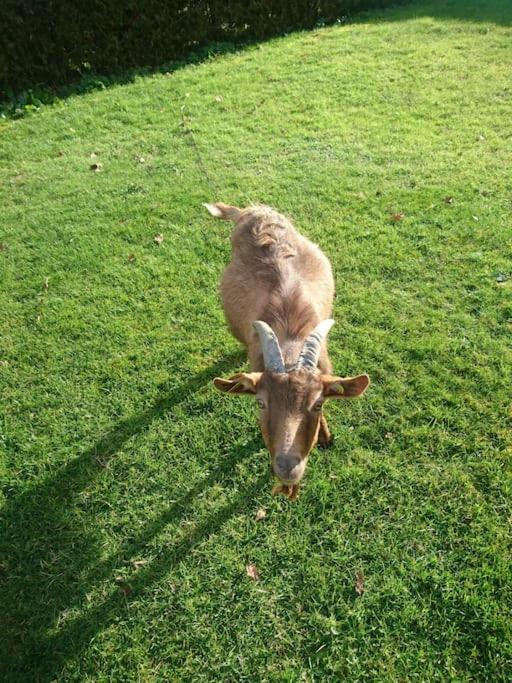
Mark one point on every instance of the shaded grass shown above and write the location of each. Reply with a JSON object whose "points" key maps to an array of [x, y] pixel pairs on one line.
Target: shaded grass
{"points": [[130, 487]]}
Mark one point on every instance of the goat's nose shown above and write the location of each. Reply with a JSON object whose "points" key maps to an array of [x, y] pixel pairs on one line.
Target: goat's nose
{"points": [[285, 464]]}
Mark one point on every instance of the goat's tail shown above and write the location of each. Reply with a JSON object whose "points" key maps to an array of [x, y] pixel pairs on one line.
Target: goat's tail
{"points": [[224, 211]]}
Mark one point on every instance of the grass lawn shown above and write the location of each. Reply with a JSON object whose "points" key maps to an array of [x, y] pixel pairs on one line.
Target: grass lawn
{"points": [[130, 487]]}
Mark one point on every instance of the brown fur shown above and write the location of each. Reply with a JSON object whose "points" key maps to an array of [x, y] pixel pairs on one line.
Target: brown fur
{"points": [[278, 276]]}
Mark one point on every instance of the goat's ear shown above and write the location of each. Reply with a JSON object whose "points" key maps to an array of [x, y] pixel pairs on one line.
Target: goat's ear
{"points": [[344, 387], [220, 210], [242, 383]]}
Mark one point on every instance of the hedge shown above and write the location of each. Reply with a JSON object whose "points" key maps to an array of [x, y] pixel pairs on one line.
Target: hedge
{"points": [[58, 42]]}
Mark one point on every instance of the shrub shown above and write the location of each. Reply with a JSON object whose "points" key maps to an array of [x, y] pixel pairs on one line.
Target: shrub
{"points": [[57, 42]]}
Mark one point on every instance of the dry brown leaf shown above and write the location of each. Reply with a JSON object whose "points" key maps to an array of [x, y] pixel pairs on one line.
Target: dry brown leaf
{"points": [[359, 582], [397, 216], [159, 239], [131, 258], [97, 166], [252, 572], [261, 514], [139, 563], [123, 586]]}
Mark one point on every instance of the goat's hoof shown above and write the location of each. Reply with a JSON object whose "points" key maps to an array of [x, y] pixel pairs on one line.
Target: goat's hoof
{"points": [[325, 443], [291, 491], [294, 493]]}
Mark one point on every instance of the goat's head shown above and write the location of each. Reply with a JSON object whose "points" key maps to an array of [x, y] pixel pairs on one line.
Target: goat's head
{"points": [[290, 400]]}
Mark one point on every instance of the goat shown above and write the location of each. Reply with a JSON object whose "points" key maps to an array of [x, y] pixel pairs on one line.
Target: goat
{"points": [[277, 296]]}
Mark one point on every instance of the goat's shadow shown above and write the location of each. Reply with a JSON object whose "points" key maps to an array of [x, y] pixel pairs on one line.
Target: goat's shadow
{"points": [[50, 562]]}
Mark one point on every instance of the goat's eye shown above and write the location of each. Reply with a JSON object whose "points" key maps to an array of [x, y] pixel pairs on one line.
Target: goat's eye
{"points": [[318, 405], [260, 403]]}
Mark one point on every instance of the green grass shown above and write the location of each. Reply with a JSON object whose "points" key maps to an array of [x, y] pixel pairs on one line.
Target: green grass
{"points": [[130, 487]]}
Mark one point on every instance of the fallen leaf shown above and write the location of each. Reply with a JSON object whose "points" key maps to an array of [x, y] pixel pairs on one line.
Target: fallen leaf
{"points": [[359, 582], [96, 167], [139, 563], [46, 283], [449, 200], [397, 216], [131, 258], [159, 239], [252, 572], [261, 514], [123, 586]]}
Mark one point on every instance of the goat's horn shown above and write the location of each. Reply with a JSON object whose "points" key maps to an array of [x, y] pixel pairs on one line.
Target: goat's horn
{"points": [[272, 356], [308, 359]]}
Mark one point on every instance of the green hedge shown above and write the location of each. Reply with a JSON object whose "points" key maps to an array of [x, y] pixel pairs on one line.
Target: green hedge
{"points": [[57, 42]]}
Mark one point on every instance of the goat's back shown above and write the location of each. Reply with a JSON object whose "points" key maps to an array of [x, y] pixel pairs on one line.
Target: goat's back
{"points": [[275, 272]]}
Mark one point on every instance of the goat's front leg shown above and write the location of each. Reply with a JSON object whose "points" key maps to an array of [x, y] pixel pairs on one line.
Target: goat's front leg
{"points": [[324, 435]]}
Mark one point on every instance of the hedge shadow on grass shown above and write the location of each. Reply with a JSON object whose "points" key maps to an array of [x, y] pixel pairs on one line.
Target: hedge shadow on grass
{"points": [[17, 104], [495, 11], [44, 544]]}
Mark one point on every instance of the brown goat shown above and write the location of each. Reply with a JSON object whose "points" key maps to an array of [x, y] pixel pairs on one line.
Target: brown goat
{"points": [[277, 295]]}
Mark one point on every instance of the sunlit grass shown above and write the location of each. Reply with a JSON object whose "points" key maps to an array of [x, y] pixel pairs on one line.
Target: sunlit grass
{"points": [[130, 488]]}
